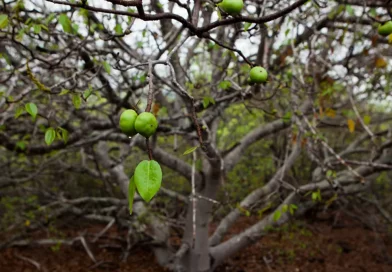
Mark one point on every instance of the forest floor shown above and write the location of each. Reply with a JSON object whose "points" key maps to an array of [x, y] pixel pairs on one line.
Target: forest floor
{"points": [[330, 244]]}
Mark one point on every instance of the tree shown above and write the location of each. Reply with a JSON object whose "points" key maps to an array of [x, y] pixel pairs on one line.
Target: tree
{"points": [[69, 69]]}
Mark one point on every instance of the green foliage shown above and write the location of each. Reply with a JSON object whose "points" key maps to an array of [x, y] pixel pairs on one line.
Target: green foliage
{"points": [[148, 178], [65, 23], [207, 100], [190, 150], [50, 136], [32, 109], [316, 196], [76, 100], [3, 21]]}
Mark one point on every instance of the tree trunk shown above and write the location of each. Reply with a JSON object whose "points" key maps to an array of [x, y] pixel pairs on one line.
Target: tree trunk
{"points": [[198, 258]]}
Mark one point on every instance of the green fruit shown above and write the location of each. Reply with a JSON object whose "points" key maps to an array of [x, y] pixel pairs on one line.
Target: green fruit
{"points": [[385, 29], [232, 7], [258, 75], [127, 122], [146, 124]]}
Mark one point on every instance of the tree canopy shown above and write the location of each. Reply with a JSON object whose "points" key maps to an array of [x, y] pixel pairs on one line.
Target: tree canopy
{"points": [[317, 131]]}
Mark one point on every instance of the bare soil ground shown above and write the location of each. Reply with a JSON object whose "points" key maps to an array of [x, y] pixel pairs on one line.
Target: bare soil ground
{"points": [[305, 245]]}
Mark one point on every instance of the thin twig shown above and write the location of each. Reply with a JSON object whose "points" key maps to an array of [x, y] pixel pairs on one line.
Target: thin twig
{"points": [[108, 226], [194, 199], [149, 151], [150, 87]]}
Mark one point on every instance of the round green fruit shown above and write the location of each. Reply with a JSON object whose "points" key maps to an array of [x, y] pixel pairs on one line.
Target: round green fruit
{"points": [[258, 75], [127, 122], [385, 29], [232, 7], [146, 124]]}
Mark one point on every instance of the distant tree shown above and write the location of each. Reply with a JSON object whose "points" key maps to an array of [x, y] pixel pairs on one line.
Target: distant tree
{"points": [[318, 130]]}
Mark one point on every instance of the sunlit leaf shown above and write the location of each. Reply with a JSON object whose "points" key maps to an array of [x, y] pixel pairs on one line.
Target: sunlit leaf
{"points": [[285, 208], [277, 215], [225, 84], [18, 112], [206, 102], [366, 119], [87, 93], [32, 109], [3, 21], [380, 62], [107, 67], [247, 25], [148, 178], [190, 150], [330, 113], [65, 23], [37, 29], [50, 135], [64, 91], [20, 145], [118, 29], [351, 125], [64, 134], [76, 101]]}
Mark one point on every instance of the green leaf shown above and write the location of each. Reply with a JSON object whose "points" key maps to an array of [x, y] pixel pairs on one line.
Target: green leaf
{"points": [[50, 18], [219, 14], [76, 100], [50, 135], [118, 29], [367, 119], [287, 117], [21, 145], [316, 196], [18, 112], [65, 23], [148, 178], [350, 10], [32, 109], [64, 91], [107, 67], [190, 150], [3, 21], [37, 29], [285, 207], [87, 93], [373, 12], [75, 27], [206, 102], [131, 194], [292, 208], [64, 134], [19, 36], [225, 84], [247, 25], [277, 215]]}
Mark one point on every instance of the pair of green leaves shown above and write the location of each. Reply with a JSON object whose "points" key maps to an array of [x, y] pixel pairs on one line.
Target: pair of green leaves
{"points": [[147, 179], [50, 135], [31, 109]]}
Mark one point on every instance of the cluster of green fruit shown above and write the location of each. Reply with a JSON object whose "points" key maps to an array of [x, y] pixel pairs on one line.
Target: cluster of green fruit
{"points": [[385, 29], [131, 123], [148, 173]]}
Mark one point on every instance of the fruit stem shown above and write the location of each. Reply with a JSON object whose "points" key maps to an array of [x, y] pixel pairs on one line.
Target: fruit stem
{"points": [[149, 151]]}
